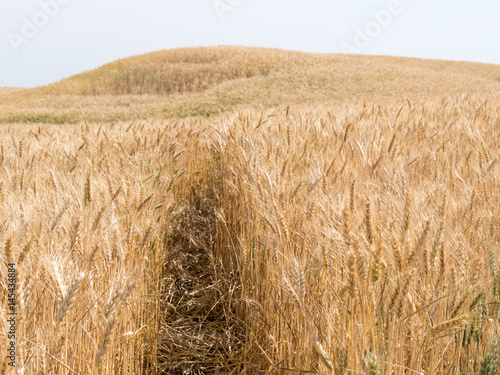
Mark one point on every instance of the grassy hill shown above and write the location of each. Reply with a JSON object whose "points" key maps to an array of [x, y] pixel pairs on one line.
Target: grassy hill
{"points": [[206, 81]]}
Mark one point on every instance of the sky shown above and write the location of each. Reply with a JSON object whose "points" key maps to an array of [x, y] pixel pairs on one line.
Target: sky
{"points": [[43, 41]]}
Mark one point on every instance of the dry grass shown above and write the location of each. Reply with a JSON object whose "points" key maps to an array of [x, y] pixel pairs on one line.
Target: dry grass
{"points": [[352, 238]]}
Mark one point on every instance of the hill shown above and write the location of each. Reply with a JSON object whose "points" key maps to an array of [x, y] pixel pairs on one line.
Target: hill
{"points": [[206, 81]]}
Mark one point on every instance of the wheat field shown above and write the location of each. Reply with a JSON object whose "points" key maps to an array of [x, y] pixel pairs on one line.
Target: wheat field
{"points": [[207, 82], [344, 238]]}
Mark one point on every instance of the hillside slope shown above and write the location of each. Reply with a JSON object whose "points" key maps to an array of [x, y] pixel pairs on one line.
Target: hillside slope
{"points": [[205, 81]]}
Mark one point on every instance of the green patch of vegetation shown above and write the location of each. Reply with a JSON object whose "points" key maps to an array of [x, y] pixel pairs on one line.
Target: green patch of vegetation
{"points": [[490, 364], [39, 118]]}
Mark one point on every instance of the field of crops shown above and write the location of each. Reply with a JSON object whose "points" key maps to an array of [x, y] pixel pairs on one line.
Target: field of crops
{"points": [[342, 238]]}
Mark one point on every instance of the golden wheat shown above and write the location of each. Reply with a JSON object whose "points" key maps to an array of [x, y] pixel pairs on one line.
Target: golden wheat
{"points": [[325, 239]]}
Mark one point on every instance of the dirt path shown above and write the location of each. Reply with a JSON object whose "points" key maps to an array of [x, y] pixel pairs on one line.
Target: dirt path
{"points": [[199, 332]]}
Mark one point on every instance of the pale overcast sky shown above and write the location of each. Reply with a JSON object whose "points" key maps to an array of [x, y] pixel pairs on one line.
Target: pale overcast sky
{"points": [[42, 41]]}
